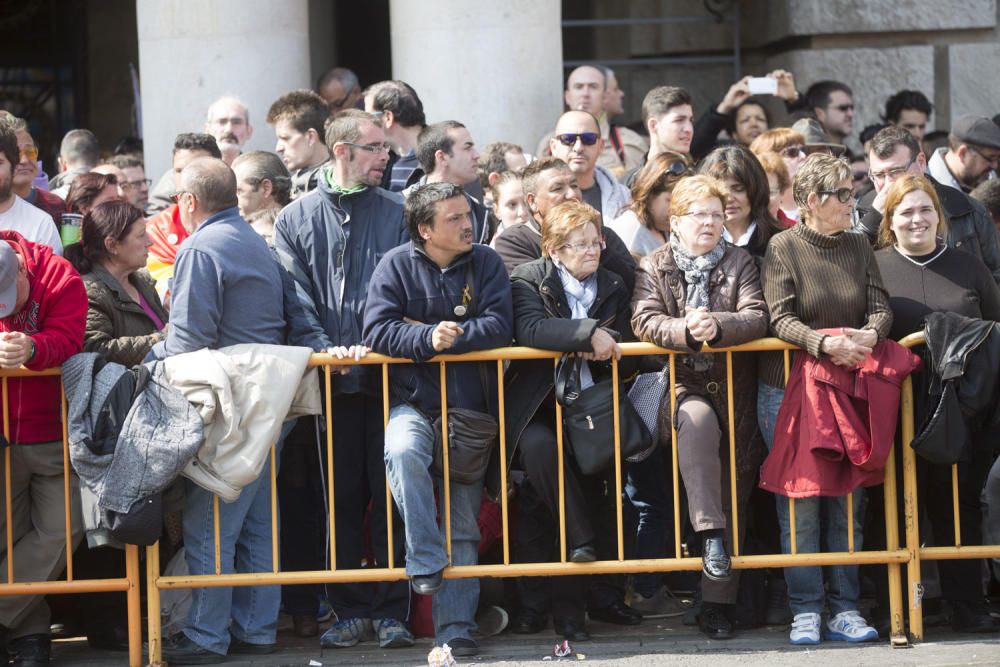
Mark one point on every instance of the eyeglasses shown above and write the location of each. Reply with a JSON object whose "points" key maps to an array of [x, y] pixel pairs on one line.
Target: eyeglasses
{"points": [[371, 148], [844, 195], [793, 152], [580, 248], [29, 153], [992, 159], [130, 185], [893, 174], [844, 108], [570, 138], [702, 217]]}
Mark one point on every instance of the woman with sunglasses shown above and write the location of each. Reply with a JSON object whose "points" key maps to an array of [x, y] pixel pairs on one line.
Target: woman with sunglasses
{"points": [[645, 225], [698, 290], [564, 301], [818, 276], [791, 146], [90, 189], [749, 223]]}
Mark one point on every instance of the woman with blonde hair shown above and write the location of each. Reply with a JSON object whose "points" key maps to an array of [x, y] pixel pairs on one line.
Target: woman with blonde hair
{"points": [[791, 146]]}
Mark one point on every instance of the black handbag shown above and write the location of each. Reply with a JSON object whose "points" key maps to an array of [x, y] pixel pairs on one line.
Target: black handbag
{"points": [[472, 435], [588, 419]]}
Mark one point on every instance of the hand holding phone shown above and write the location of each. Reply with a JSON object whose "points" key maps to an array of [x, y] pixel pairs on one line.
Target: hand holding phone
{"points": [[762, 85]]}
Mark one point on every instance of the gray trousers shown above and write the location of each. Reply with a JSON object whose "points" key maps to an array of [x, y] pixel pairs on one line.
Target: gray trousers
{"points": [[38, 530]]}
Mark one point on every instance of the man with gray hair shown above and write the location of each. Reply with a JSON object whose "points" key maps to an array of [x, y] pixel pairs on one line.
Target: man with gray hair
{"points": [[340, 88], [226, 290], [330, 241], [262, 182], [79, 152], [228, 120]]}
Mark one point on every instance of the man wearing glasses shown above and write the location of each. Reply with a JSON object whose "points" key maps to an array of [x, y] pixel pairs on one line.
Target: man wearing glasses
{"points": [[298, 119], [577, 142], [27, 170], [894, 153], [133, 184], [973, 154], [832, 102], [15, 213], [330, 241]]}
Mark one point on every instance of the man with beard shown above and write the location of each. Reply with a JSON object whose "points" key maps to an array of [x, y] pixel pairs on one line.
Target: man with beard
{"points": [[27, 169], [15, 213], [973, 151]]}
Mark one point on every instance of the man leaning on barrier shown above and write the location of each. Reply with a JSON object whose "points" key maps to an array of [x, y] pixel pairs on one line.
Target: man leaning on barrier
{"points": [[439, 293], [43, 306]]}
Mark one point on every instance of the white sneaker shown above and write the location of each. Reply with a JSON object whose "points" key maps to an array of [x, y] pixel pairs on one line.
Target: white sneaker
{"points": [[805, 629], [850, 626]]}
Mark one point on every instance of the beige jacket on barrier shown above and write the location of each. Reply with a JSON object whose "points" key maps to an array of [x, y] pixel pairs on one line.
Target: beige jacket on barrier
{"points": [[243, 393]]}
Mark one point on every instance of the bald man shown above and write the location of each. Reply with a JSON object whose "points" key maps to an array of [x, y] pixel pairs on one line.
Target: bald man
{"points": [[577, 142], [586, 90]]}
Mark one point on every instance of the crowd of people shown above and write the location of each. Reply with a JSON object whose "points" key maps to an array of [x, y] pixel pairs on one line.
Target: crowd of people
{"points": [[368, 229]]}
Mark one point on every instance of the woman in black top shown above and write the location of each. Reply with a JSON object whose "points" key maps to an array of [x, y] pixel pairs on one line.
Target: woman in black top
{"points": [[922, 275]]}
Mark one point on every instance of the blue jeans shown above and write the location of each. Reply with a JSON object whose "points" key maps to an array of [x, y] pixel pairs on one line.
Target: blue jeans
{"points": [[820, 525], [648, 491], [409, 451], [245, 537]]}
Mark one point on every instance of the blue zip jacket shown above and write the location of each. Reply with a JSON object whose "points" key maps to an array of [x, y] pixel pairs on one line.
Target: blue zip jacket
{"points": [[407, 283], [330, 243]]}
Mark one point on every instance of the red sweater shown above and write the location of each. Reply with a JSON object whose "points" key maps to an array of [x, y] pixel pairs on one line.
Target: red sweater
{"points": [[836, 425], [55, 316]]}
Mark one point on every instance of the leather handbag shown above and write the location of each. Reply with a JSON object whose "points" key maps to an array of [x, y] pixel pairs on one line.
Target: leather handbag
{"points": [[588, 419]]}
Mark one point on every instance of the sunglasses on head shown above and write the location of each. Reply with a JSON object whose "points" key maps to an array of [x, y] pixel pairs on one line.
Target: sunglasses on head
{"points": [[587, 138], [676, 168]]}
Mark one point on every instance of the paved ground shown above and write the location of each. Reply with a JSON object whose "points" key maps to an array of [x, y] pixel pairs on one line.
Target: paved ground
{"points": [[655, 643]]}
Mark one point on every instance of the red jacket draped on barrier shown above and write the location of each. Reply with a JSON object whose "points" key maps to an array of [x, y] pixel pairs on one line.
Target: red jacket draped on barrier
{"points": [[836, 425]]}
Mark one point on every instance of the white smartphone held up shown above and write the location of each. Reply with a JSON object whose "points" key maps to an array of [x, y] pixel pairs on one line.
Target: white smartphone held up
{"points": [[762, 85]]}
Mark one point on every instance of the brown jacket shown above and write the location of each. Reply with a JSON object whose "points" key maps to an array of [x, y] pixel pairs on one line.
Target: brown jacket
{"points": [[737, 304], [117, 326]]}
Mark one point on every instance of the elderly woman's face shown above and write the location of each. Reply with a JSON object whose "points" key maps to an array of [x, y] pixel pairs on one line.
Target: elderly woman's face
{"points": [[829, 214], [915, 223], [700, 227], [580, 254]]}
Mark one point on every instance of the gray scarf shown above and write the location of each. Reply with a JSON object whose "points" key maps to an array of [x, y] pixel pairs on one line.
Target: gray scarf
{"points": [[696, 270]]}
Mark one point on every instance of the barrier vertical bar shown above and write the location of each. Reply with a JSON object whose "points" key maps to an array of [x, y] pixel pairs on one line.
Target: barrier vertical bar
{"points": [[791, 526], [671, 358], [153, 627], [446, 500], [7, 480], [275, 561], [560, 472], [914, 588], [616, 419], [850, 522], [390, 546], [954, 502], [328, 385], [133, 605], [897, 636], [63, 413], [218, 541], [735, 545], [501, 413]]}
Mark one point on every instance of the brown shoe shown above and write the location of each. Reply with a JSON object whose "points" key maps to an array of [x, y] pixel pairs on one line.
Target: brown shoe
{"points": [[305, 625]]}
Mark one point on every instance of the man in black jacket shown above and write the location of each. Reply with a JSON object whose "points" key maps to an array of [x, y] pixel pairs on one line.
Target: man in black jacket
{"points": [[894, 153]]}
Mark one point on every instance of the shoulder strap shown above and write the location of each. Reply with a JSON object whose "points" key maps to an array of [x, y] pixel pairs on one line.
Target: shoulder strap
{"points": [[616, 141]]}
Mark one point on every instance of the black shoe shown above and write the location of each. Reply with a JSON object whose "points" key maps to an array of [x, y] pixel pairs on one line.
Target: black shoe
{"points": [[305, 625], [714, 559], [179, 650], [112, 638], [713, 622], [617, 613], [572, 629], [246, 648], [427, 584], [585, 553], [30, 650], [527, 622], [972, 617], [463, 647]]}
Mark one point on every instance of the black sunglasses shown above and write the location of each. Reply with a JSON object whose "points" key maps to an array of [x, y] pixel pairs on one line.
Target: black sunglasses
{"points": [[587, 138], [676, 168], [844, 195]]}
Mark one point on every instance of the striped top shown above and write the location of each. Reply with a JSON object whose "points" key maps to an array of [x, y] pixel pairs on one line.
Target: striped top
{"points": [[817, 281]]}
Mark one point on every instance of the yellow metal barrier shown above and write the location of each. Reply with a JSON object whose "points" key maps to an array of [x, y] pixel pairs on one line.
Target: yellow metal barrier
{"points": [[129, 583], [893, 556]]}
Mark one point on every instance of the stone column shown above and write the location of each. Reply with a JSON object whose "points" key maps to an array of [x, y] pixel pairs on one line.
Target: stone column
{"points": [[494, 66], [191, 53]]}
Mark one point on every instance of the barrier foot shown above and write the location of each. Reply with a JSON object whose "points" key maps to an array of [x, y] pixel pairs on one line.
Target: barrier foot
{"points": [[900, 641]]}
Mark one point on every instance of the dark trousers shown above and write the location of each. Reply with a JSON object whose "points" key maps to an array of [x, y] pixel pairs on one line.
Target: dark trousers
{"points": [[590, 517], [359, 486]]}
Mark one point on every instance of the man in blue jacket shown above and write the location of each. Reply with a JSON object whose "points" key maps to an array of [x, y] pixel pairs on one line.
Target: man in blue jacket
{"points": [[330, 241], [439, 293]]}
